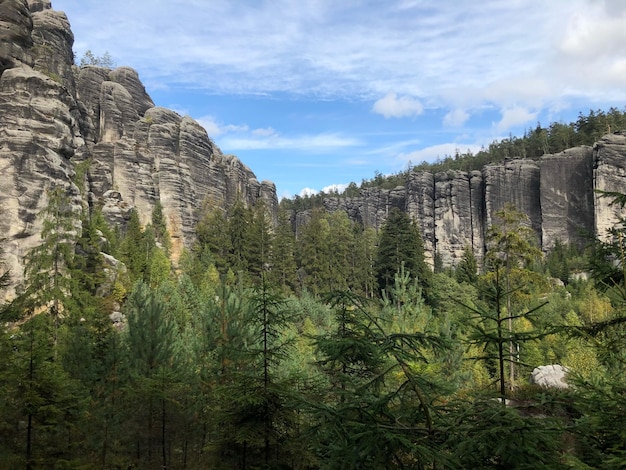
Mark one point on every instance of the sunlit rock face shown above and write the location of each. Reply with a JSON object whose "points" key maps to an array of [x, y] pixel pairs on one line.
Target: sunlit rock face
{"points": [[55, 116], [560, 194], [609, 176]]}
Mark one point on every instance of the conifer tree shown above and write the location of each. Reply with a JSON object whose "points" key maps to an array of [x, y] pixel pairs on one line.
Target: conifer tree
{"points": [[259, 242], [467, 269], [159, 224], [401, 245], [511, 252], [379, 409], [47, 270], [283, 259], [238, 229], [135, 248], [314, 252], [213, 244], [151, 348]]}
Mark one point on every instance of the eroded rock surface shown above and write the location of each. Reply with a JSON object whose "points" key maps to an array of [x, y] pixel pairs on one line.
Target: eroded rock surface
{"points": [[560, 194], [55, 116]]}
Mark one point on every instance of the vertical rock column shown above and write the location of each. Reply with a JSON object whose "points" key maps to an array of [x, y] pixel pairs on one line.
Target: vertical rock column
{"points": [[420, 205], [567, 197], [609, 176], [458, 215], [515, 182]]}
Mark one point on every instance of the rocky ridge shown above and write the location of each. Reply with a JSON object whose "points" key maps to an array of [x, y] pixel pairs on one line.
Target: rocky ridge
{"points": [[454, 209], [55, 115]]}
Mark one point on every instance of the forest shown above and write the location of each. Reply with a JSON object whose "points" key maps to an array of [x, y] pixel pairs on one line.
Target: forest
{"points": [[337, 347]]}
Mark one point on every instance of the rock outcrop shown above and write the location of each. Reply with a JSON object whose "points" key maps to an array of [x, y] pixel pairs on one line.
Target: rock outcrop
{"points": [[551, 376], [560, 194], [55, 116]]}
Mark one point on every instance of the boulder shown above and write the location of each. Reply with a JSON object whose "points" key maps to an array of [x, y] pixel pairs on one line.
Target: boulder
{"points": [[550, 376]]}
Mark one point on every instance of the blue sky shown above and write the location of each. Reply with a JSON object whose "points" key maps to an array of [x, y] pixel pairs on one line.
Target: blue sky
{"points": [[315, 93]]}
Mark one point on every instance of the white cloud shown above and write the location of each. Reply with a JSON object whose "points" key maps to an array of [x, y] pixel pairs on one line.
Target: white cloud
{"points": [[339, 188], [307, 192], [324, 48], [392, 106], [215, 129], [265, 132], [514, 117], [304, 143], [456, 118], [439, 151]]}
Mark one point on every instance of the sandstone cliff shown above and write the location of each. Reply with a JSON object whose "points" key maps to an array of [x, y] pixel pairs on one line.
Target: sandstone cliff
{"points": [[54, 115], [454, 209]]}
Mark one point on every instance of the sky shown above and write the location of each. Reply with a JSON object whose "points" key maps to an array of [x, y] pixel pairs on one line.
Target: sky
{"points": [[315, 94]]}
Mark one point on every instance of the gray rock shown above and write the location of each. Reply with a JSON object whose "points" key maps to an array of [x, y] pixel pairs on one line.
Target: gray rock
{"points": [[551, 376], [610, 175], [54, 115], [567, 197]]}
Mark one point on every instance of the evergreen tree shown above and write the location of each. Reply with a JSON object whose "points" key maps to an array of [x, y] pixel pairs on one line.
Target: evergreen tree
{"points": [[238, 230], [283, 258], [364, 261], [467, 269], [151, 347], [511, 253], [135, 248], [159, 224], [314, 249], [259, 243], [47, 269], [379, 409], [40, 395], [213, 244], [401, 245]]}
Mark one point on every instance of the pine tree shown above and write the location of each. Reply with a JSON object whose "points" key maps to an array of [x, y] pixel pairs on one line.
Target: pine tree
{"points": [[467, 269], [283, 259], [401, 245], [511, 253], [47, 269], [151, 347]]}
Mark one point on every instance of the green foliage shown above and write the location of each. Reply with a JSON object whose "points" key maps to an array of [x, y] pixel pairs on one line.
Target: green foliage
{"points": [[104, 60], [485, 434], [401, 247], [467, 269], [379, 410], [283, 270]]}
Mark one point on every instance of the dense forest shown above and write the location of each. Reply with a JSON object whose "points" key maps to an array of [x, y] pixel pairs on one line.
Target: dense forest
{"points": [[334, 348], [535, 143]]}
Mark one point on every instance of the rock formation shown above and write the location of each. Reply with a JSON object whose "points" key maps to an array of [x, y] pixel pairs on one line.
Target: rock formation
{"points": [[454, 209], [55, 116], [550, 376]]}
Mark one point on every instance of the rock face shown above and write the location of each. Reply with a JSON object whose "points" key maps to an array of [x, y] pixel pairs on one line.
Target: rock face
{"points": [[55, 116], [551, 376], [455, 209]]}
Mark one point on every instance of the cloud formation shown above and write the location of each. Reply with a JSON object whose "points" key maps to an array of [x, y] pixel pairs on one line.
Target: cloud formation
{"points": [[392, 106], [460, 55]]}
